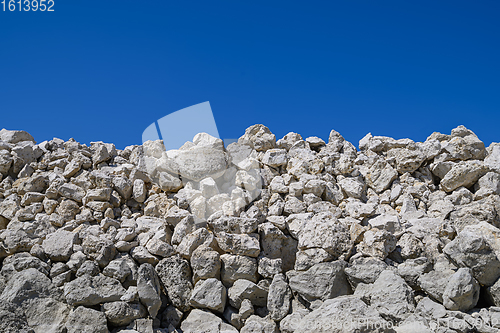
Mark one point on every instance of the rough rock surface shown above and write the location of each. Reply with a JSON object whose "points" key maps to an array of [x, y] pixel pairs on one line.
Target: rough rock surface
{"points": [[264, 235]]}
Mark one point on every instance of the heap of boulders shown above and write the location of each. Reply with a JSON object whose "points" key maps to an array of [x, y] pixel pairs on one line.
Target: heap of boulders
{"points": [[262, 236]]}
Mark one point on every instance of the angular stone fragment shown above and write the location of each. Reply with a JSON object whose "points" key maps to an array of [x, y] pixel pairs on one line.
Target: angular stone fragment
{"points": [[234, 225], [477, 248], [391, 296], [148, 287], [364, 270], [46, 315], [27, 284], [58, 246], [72, 191], [463, 174], [461, 292], [322, 281], [278, 299], [206, 263], [175, 274], [122, 313], [377, 243], [203, 321], [87, 290], [209, 294], [337, 315], [257, 324], [86, 320], [244, 289], [434, 282], [380, 176], [241, 244]]}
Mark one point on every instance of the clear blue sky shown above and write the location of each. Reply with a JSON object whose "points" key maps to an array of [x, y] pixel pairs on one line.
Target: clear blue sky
{"points": [[105, 70]]}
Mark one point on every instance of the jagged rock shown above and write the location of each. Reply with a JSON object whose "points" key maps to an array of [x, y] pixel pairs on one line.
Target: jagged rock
{"points": [[377, 243], [235, 267], [26, 285], [256, 324], [412, 269], [100, 249], [338, 315], [389, 295], [206, 263], [12, 319], [278, 299], [321, 281], [58, 246], [203, 321], [461, 292], [463, 174], [244, 289], [122, 313], [241, 244], [290, 323], [175, 274], [148, 287], [86, 320], [323, 231], [435, 281], [477, 248], [364, 270], [209, 294], [46, 314], [87, 290]]}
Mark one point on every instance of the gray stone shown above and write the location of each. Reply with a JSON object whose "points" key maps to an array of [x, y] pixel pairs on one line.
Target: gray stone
{"points": [[461, 292], [87, 290], [234, 225], [322, 281], [58, 246], [15, 136], [203, 321], [377, 243], [256, 324], [435, 281], [122, 313], [206, 263], [258, 137], [175, 274], [464, 174], [85, 320], [209, 294], [244, 289], [477, 248], [148, 287], [364, 270], [46, 315], [290, 323], [27, 284], [391, 296], [235, 267], [71, 191], [278, 299], [241, 244], [344, 314]]}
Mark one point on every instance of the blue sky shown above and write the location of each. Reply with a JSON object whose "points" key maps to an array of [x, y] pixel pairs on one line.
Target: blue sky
{"points": [[105, 70]]}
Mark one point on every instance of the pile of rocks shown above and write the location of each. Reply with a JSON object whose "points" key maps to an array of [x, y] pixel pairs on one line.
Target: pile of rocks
{"points": [[263, 235]]}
